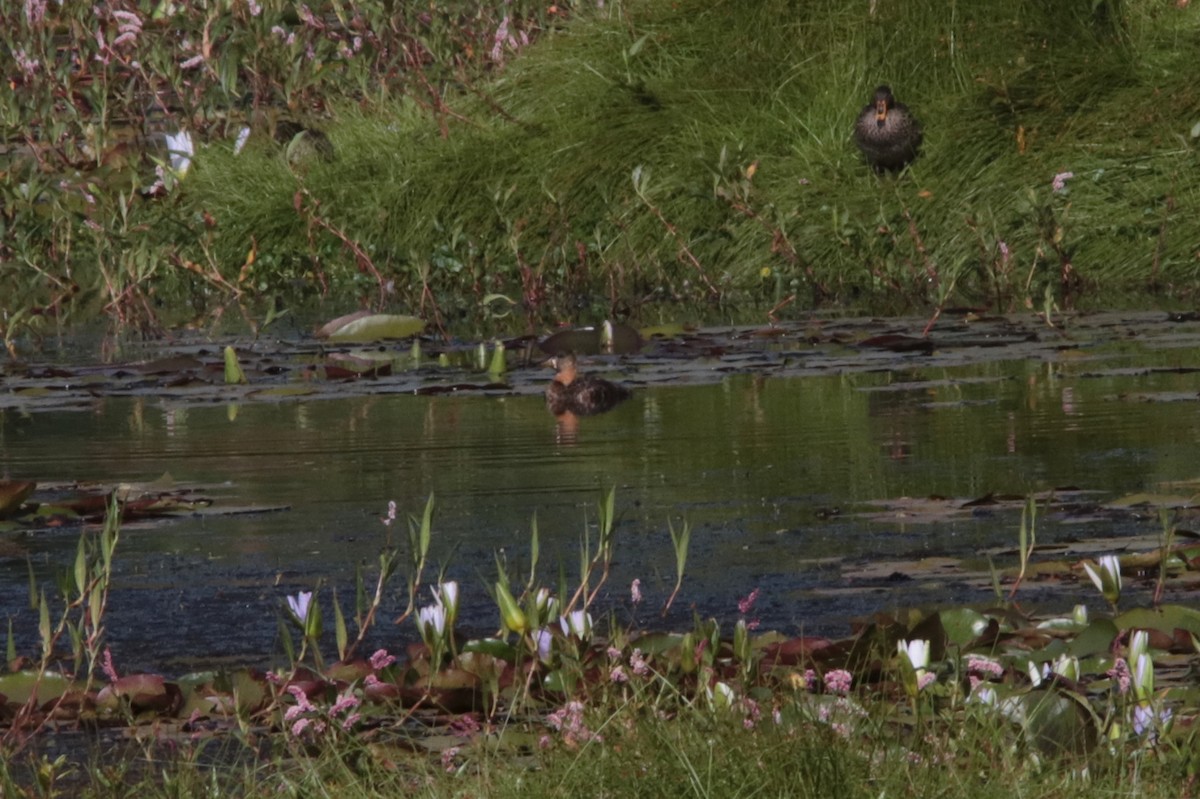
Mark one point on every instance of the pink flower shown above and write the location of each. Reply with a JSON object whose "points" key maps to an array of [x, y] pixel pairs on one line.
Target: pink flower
{"points": [[618, 675], [1060, 181], [635, 591], [838, 681], [106, 665], [637, 662], [1121, 675], [746, 603], [381, 659], [448, 758]]}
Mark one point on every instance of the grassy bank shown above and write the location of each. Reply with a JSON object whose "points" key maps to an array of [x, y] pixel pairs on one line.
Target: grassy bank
{"points": [[697, 152]]}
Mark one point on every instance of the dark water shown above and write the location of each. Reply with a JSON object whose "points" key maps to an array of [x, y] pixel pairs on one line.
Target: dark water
{"points": [[771, 472]]}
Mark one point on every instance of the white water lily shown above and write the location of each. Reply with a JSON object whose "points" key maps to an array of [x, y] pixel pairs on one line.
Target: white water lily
{"points": [[446, 595], [431, 622], [917, 653], [1106, 576], [181, 150], [1067, 666], [1143, 676]]}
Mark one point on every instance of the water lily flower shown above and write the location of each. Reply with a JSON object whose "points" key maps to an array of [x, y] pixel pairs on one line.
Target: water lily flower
{"points": [[299, 605], [543, 639], [431, 621], [577, 623], [1143, 676], [1148, 722], [1067, 666], [180, 149], [1106, 576], [242, 137], [446, 595], [917, 652], [722, 696], [1139, 644]]}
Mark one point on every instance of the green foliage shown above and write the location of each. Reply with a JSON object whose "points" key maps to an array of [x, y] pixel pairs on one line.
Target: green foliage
{"points": [[642, 151]]}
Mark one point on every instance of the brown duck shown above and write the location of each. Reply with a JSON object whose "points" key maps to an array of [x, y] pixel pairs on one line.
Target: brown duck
{"points": [[581, 395], [887, 132]]}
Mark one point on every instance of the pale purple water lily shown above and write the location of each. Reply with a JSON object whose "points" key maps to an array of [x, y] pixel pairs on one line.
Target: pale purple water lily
{"points": [[300, 605], [1148, 721], [543, 639]]}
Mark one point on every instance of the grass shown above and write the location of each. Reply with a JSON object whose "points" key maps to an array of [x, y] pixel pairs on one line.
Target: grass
{"points": [[696, 151], [645, 158]]}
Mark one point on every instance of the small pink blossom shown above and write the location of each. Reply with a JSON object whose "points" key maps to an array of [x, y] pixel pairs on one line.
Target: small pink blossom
{"points": [[925, 680], [637, 662], [192, 62], [838, 681], [746, 603], [1004, 254], [618, 675], [1121, 675], [1060, 181], [448, 758], [635, 591], [106, 665], [381, 659], [984, 667]]}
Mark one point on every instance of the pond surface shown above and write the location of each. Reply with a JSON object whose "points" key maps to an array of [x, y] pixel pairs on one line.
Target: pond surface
{"points": [[789, 452]]}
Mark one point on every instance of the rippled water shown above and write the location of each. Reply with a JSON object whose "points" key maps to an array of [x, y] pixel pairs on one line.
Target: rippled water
{"points": [[771, 471]]}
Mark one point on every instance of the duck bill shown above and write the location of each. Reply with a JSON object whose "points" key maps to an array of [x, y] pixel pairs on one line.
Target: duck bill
{"points": [[881, 111]]}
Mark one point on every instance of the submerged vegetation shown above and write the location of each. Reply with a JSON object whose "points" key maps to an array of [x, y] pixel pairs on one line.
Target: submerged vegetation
{"points": [[582, 159], [566, 696]]}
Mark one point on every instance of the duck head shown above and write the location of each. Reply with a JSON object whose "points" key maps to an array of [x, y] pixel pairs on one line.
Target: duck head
{"points": [[883, 103]]}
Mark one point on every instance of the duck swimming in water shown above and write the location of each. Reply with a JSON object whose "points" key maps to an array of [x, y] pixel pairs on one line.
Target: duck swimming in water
{"points": [[581, 395], [887, 132]]}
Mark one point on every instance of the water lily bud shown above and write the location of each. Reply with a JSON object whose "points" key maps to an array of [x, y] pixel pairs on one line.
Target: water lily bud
{"points": [[1106, 576], [511, 613]]}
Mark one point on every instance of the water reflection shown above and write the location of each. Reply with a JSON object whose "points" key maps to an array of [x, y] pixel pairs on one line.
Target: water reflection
{"points": [[768, 471]]}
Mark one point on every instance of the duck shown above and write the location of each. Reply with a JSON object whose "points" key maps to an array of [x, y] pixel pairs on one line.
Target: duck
{"points": [[581, 395], [887, 132]]}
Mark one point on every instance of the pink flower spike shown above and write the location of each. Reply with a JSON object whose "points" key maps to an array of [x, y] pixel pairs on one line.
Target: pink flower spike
{"points": [[746, 603], [635, 591]]}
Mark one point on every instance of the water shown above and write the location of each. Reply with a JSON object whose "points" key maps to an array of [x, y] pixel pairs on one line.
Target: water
{"points": [[774, 473]]}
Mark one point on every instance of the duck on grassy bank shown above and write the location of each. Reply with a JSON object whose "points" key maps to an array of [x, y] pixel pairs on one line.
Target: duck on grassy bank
{"points": [[887, 133], [581, 395]]}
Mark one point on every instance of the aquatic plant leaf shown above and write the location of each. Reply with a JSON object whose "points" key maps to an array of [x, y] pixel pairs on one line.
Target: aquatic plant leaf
{"points": [[1167, 619], [360, 328], [19, 686], [1095, 639], [12, 494], [963, 625]]}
